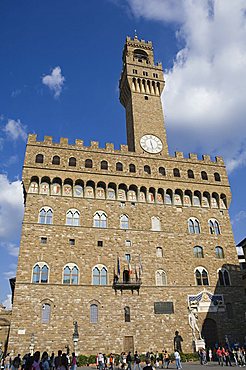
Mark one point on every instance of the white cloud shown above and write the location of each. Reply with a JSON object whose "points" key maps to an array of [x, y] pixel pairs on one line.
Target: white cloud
{"points": [[239, 217], [7, 302], [11, 209], [54, 81], [12, 248], [204, 98], [15, 130]]}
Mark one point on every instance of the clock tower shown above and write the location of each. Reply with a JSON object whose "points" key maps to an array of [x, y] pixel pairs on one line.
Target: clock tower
{"points": [[141, 85]]}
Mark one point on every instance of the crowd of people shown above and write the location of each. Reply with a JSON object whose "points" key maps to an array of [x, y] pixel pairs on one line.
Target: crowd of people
{"points": [[37, 362], [126, 361]]}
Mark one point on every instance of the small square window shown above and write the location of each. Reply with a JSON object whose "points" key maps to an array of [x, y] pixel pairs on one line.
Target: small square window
{"points": [[128, 243], [43, 240], [133, 204], [72, 241], [135, 71], [100, 243], [146, 97], [122, 204]]}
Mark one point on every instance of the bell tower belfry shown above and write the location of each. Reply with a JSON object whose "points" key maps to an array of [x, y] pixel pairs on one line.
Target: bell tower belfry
{"points": [[141, 85]]}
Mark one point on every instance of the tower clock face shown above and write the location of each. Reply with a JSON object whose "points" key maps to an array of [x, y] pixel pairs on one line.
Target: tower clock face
{"points": [[151, 144]]}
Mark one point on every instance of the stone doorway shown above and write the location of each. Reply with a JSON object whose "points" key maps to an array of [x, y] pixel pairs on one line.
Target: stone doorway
{"points": [[129, 344], [210, 333]]}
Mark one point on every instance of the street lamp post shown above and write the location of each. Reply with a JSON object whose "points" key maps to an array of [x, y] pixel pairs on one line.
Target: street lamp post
{"points": [[75, 337], [32, 345]]}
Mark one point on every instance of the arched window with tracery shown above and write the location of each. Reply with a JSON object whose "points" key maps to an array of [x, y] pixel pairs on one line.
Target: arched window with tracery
{"points": [[124, 222], [100, 219], [72, 217], [160, 278], [224, 277], [99, 275], [40, 273], [46, 215], [194, 226], [71, 274], [201, 276], [214, 227]]}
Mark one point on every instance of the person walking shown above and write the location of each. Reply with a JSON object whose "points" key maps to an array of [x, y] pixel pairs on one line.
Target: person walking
{"points": [[227, 358], [36, 361], [136, 361], [129, 360], [166, 359], [16, 362], [177, 360], [57, 361], [7, 361], [73, 362], [45, 365]]}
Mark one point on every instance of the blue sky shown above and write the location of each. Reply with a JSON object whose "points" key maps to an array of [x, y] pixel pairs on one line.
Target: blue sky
{"points": [[60, 66]]}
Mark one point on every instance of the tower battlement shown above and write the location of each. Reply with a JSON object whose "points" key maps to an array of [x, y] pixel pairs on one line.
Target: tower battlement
{"points": [[109, 148]]}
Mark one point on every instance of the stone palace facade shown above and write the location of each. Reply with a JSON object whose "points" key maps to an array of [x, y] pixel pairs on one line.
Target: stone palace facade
{"points": [[131, 244]]}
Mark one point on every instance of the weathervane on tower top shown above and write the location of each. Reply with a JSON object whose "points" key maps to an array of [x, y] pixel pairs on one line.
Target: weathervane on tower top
{"points": [[135, 34]]}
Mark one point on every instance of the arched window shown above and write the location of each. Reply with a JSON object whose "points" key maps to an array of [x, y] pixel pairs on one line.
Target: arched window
{"points": [[198, 252], [40, 273], [219, 252], [190, 174], [71, 274], [176, 172], [217, 176], [99, 275], [147, 169], [93, 313], [127, 314], [201, 276], [155, 223], [119, 166], [224, 277], [46, 310], [132, 168], [159, 252], [214, 226], [72, 162], [100, 219], [56, 160], [204, 175], [88, 163], [194, 226], [124, 222], [162, 171], [160, 278], [104, 165], [46, 216], [72, 217], [39, 158]]}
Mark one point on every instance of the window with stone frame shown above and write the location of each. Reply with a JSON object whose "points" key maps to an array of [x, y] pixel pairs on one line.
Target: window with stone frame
{"points": [[72, 162], [147, 169], [132, 167], [93, 313], [204, 175], [45, 215], [56, 160], [214, 227], [71, 274], [159, 252], [39, 158], [100, 219], [201, 276], [198, 252], [88, 163], [124, 222], [160, 278], [40, 273], [217, 176], [104, 165], [224, 277], [127, 314], [99, 275], [219, 252], [190, 174], [176, 172], [72, 217], [162, 171], [194, 226], [119, 166], [46, 313]]}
